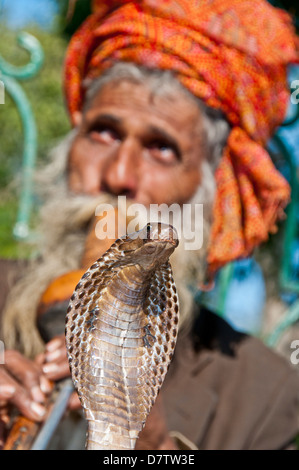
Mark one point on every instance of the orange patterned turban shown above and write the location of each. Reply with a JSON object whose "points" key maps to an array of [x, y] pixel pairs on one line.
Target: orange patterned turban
{"points": [[232, 54]]}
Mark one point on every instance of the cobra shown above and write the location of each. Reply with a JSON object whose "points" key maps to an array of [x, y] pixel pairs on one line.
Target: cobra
{"points": [[121, 330]]}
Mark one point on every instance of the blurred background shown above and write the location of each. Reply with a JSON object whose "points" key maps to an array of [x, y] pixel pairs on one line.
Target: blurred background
{"points": [[33, 119]]}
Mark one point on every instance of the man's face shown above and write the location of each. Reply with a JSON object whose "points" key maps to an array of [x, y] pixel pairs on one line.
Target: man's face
{"points": [[132, 143]]}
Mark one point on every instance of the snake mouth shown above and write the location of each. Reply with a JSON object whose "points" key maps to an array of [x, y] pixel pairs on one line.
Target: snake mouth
{"points": [[156, 233], [161, 233]]}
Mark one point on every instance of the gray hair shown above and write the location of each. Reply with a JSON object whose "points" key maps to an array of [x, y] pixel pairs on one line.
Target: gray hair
{"points": [[164, 83]]}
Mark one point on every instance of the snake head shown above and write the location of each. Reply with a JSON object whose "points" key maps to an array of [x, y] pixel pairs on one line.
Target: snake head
{"points": [[151, 246]]}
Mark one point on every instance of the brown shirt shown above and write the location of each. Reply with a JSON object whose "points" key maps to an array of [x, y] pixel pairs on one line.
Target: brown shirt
{"points": [[227, 390]]}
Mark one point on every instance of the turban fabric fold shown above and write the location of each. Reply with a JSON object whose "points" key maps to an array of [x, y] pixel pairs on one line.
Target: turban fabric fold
{"points": [[233, 55]]}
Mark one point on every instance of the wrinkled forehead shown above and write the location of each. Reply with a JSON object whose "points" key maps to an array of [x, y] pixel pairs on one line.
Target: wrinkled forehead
{"points": [[125, 98]]}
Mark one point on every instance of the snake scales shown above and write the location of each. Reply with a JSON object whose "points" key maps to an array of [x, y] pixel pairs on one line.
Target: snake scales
{"points": [[121, 331]]}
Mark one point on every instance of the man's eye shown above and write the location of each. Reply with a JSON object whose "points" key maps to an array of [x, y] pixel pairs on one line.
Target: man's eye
{"points": [[104, 135], [163, 153]]}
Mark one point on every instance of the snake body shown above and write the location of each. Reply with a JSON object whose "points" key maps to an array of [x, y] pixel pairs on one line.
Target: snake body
{"points": [[121, 331]]}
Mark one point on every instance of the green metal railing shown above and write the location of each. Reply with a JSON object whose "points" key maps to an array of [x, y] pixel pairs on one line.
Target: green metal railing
{"points": [[10, 75]]}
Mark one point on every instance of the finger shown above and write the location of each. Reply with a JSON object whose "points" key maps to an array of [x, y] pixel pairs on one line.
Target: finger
{"points": [[46, 385], [74, 402], [26, 372], [56, 371], [56, 366], [4, 422], [7, 391], [40, 359], [4, 416], [30, 409], [55, 343], [57, 355], [2, 433], [7, 387], [12, 392]]}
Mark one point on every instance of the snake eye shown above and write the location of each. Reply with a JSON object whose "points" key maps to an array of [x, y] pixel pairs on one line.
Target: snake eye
{"points": [[148, 231]]}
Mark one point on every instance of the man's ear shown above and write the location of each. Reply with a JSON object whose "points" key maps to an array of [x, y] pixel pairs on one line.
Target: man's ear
{"points": [[77, 118]]}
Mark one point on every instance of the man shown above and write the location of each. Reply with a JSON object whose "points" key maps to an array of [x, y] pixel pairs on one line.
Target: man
{"points": [[161, 94]]}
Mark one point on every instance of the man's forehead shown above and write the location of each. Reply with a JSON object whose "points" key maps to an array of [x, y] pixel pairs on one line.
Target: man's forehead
{"points": [[124, 97]]}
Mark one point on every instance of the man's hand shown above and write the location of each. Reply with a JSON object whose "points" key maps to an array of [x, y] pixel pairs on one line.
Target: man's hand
{"points": [[55, 365], [53, 361], [22, 384]]}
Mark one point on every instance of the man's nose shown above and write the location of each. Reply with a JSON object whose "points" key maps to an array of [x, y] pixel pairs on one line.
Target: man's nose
{"points": [[120, 176]]}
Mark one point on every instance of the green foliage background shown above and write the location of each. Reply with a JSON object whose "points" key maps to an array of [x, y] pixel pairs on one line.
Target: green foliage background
{"points": [[45, 95], [44, 92]]}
